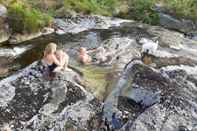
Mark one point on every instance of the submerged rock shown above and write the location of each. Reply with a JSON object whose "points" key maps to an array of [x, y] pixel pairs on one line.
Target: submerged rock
{"points": [[31, 102]]}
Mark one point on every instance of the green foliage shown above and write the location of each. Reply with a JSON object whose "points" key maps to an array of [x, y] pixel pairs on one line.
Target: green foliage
{"points": [[23, 18], [102, 7], [46, 6], [142, 10], [182, 8]]}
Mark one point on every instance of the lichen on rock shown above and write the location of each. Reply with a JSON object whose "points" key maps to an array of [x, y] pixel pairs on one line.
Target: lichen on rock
{"points": [[36, 103], [166, 97]]}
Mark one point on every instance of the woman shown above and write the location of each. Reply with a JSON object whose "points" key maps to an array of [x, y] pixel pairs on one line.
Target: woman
{"points": [[50, 58]]}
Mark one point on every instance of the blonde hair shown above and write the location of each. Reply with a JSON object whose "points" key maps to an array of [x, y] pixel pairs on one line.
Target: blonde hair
{"points": [[50, 48], [82, 49]]}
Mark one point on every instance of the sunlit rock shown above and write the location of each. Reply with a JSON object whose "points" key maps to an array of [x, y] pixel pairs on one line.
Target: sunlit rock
{"points": [[167, 98], [30, 101]]}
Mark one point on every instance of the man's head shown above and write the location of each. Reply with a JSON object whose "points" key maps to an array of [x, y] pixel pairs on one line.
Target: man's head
{"points": [[82, 50], [50, 48]]}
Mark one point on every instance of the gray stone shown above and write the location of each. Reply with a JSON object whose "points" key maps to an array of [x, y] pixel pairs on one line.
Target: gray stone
{"points": [[172, 101], [172, 23], [4, 28], [3, 11], [32, 102]]}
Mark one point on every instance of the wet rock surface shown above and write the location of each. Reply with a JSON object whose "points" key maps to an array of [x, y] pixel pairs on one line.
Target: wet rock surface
{"points": [[30, 101], [19, 38], [169, 20], [176, 24]]}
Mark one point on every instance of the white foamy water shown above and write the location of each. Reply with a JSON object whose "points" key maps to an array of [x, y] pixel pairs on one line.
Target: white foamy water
{"points": [[14, 52], [6, 52]]}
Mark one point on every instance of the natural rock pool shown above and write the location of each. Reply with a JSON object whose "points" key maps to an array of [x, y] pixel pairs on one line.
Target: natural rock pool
{"points": [[120, 83]]}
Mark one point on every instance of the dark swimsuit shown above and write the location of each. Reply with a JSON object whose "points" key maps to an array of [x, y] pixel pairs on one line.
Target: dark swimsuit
{"points": [[52, 67]]}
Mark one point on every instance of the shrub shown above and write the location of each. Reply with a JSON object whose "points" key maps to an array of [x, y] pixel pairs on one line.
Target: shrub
{"points": [[109, 5], [142, 10], [102, 7], [22, 18], [182, 8]]}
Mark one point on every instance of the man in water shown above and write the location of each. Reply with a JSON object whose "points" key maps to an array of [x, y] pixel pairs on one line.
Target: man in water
{"points": [[84, 57], [100, 57]]}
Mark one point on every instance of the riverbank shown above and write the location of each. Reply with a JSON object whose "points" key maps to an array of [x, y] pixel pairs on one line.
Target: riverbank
{"points": [[32, 17]]}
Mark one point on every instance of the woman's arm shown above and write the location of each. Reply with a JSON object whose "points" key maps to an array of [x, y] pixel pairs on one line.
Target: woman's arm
{"points": [[56, 61]]}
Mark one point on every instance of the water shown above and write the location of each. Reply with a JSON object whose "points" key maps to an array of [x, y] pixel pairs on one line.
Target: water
{"points": [[102, 76]]}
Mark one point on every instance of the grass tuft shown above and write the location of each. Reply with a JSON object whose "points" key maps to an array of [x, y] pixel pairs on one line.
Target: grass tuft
{"points": [[142, 10], [102, 7], [181, 8], [22, 18]]}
